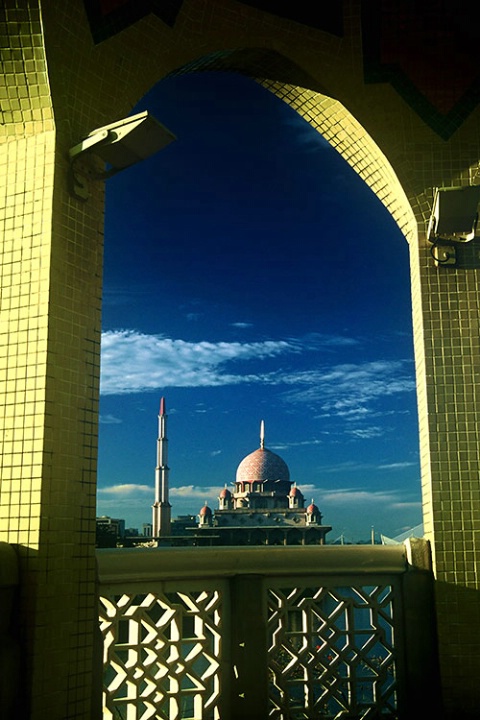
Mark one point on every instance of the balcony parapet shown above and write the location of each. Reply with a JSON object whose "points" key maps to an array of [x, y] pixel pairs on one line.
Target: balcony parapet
{"points": [[147, 564], [236, 632]]}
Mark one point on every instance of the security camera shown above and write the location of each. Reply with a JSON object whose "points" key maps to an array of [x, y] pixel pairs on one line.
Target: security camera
{"points": [[455, 214]]}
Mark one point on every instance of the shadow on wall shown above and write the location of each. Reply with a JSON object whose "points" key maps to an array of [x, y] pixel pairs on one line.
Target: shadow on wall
{"points": [[453, 636], [9, 632]]}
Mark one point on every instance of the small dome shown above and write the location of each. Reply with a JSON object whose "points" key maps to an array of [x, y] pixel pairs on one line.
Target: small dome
{"points": [[262, 465], [312, 508], [295, 492], [205, 511], [225, 493]]}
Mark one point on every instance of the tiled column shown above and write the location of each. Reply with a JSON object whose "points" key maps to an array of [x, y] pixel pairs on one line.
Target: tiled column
{"points": [[49, 348], [446, 312]]}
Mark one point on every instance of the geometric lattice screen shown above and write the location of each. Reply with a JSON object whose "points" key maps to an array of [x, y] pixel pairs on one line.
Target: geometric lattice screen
{"points": [[161, 655], [331, 652]]}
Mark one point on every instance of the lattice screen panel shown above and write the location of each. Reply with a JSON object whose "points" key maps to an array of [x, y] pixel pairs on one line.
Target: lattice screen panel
{"points": [[331, 653], [161, 655]]}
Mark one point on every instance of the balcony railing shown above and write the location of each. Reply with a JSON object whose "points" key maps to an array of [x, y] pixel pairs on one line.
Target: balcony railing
{"points": [[286, 633]]}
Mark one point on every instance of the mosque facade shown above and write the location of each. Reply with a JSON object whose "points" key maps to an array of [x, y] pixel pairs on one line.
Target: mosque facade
{"points": [[264, 506]]}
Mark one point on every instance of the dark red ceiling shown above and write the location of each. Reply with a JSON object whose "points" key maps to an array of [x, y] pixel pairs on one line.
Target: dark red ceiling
{"points": [[425, 48], [427, 51]]}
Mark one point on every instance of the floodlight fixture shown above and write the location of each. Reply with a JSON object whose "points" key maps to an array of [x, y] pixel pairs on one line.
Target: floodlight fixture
{"points": [[455, 214], [121, 144]]}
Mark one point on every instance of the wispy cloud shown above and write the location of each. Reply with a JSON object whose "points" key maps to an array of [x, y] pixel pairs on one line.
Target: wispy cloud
{"points": [[306, 138], [136, 362], [195, 492], [355, 497], [349, 496], [242, 325], [349, 391], [397, 465], [109, 420], [350, 466], [301, 443], [125, 490], [125, 500], [406, 505], [125, 295], [367, 433], [341, 507], [316, 340]]}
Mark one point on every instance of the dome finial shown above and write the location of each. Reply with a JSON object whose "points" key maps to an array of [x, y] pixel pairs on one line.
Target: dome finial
{"points": [[262, 435]]}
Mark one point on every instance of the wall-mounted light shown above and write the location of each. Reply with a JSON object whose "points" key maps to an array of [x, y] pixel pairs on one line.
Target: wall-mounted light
{"points": [[455, 215], [120, 144]]}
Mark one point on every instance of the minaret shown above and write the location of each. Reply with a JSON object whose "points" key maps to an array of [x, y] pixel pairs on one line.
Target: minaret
{"points": [[161, 507]]}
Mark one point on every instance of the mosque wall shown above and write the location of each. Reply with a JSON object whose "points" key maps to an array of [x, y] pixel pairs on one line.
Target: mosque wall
{"points": [[72, 67]]}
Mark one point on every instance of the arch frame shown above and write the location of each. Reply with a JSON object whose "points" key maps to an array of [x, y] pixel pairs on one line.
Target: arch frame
{"points": [[51, 314]]}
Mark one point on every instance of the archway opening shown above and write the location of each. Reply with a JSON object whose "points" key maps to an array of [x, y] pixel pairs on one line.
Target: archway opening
{"points": [[251, 274]]}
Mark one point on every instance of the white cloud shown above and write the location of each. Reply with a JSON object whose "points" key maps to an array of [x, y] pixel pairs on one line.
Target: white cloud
{"points": [[355, 496], [125, 489], [195, 492], [135, 362], [301, 443], [407, 505], [109, 420], [125, 500], [397, 465], [316, 340], [242, 324], [372, 506], [349, 391], [367, 433]]}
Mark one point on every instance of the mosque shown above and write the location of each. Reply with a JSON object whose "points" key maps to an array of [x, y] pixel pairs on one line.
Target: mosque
{"points": [[264, 508]]}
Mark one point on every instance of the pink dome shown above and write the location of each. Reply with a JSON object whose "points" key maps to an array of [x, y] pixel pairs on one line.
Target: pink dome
{"points": [[312, 508], [295, 492], [205, 511], [225, 493], [261, 465]]}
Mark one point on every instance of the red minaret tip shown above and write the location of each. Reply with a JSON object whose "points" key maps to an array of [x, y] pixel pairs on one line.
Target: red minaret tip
{"points": [[162, 406]]}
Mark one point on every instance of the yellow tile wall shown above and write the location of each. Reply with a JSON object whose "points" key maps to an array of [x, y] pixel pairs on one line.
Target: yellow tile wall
{"points": [[50, 271]]}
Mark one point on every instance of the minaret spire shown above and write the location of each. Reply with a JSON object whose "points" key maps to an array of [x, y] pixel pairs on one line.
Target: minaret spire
{"points": [[262, 435], [161, 507]]}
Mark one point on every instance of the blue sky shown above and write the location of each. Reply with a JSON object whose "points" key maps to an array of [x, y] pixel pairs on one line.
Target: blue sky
{"points": [[249, 275]]}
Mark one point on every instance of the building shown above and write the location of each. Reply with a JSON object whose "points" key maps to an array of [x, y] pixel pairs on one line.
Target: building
{"points": [[147, 530], [109, 530], [264, 508], [182, 523]]}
